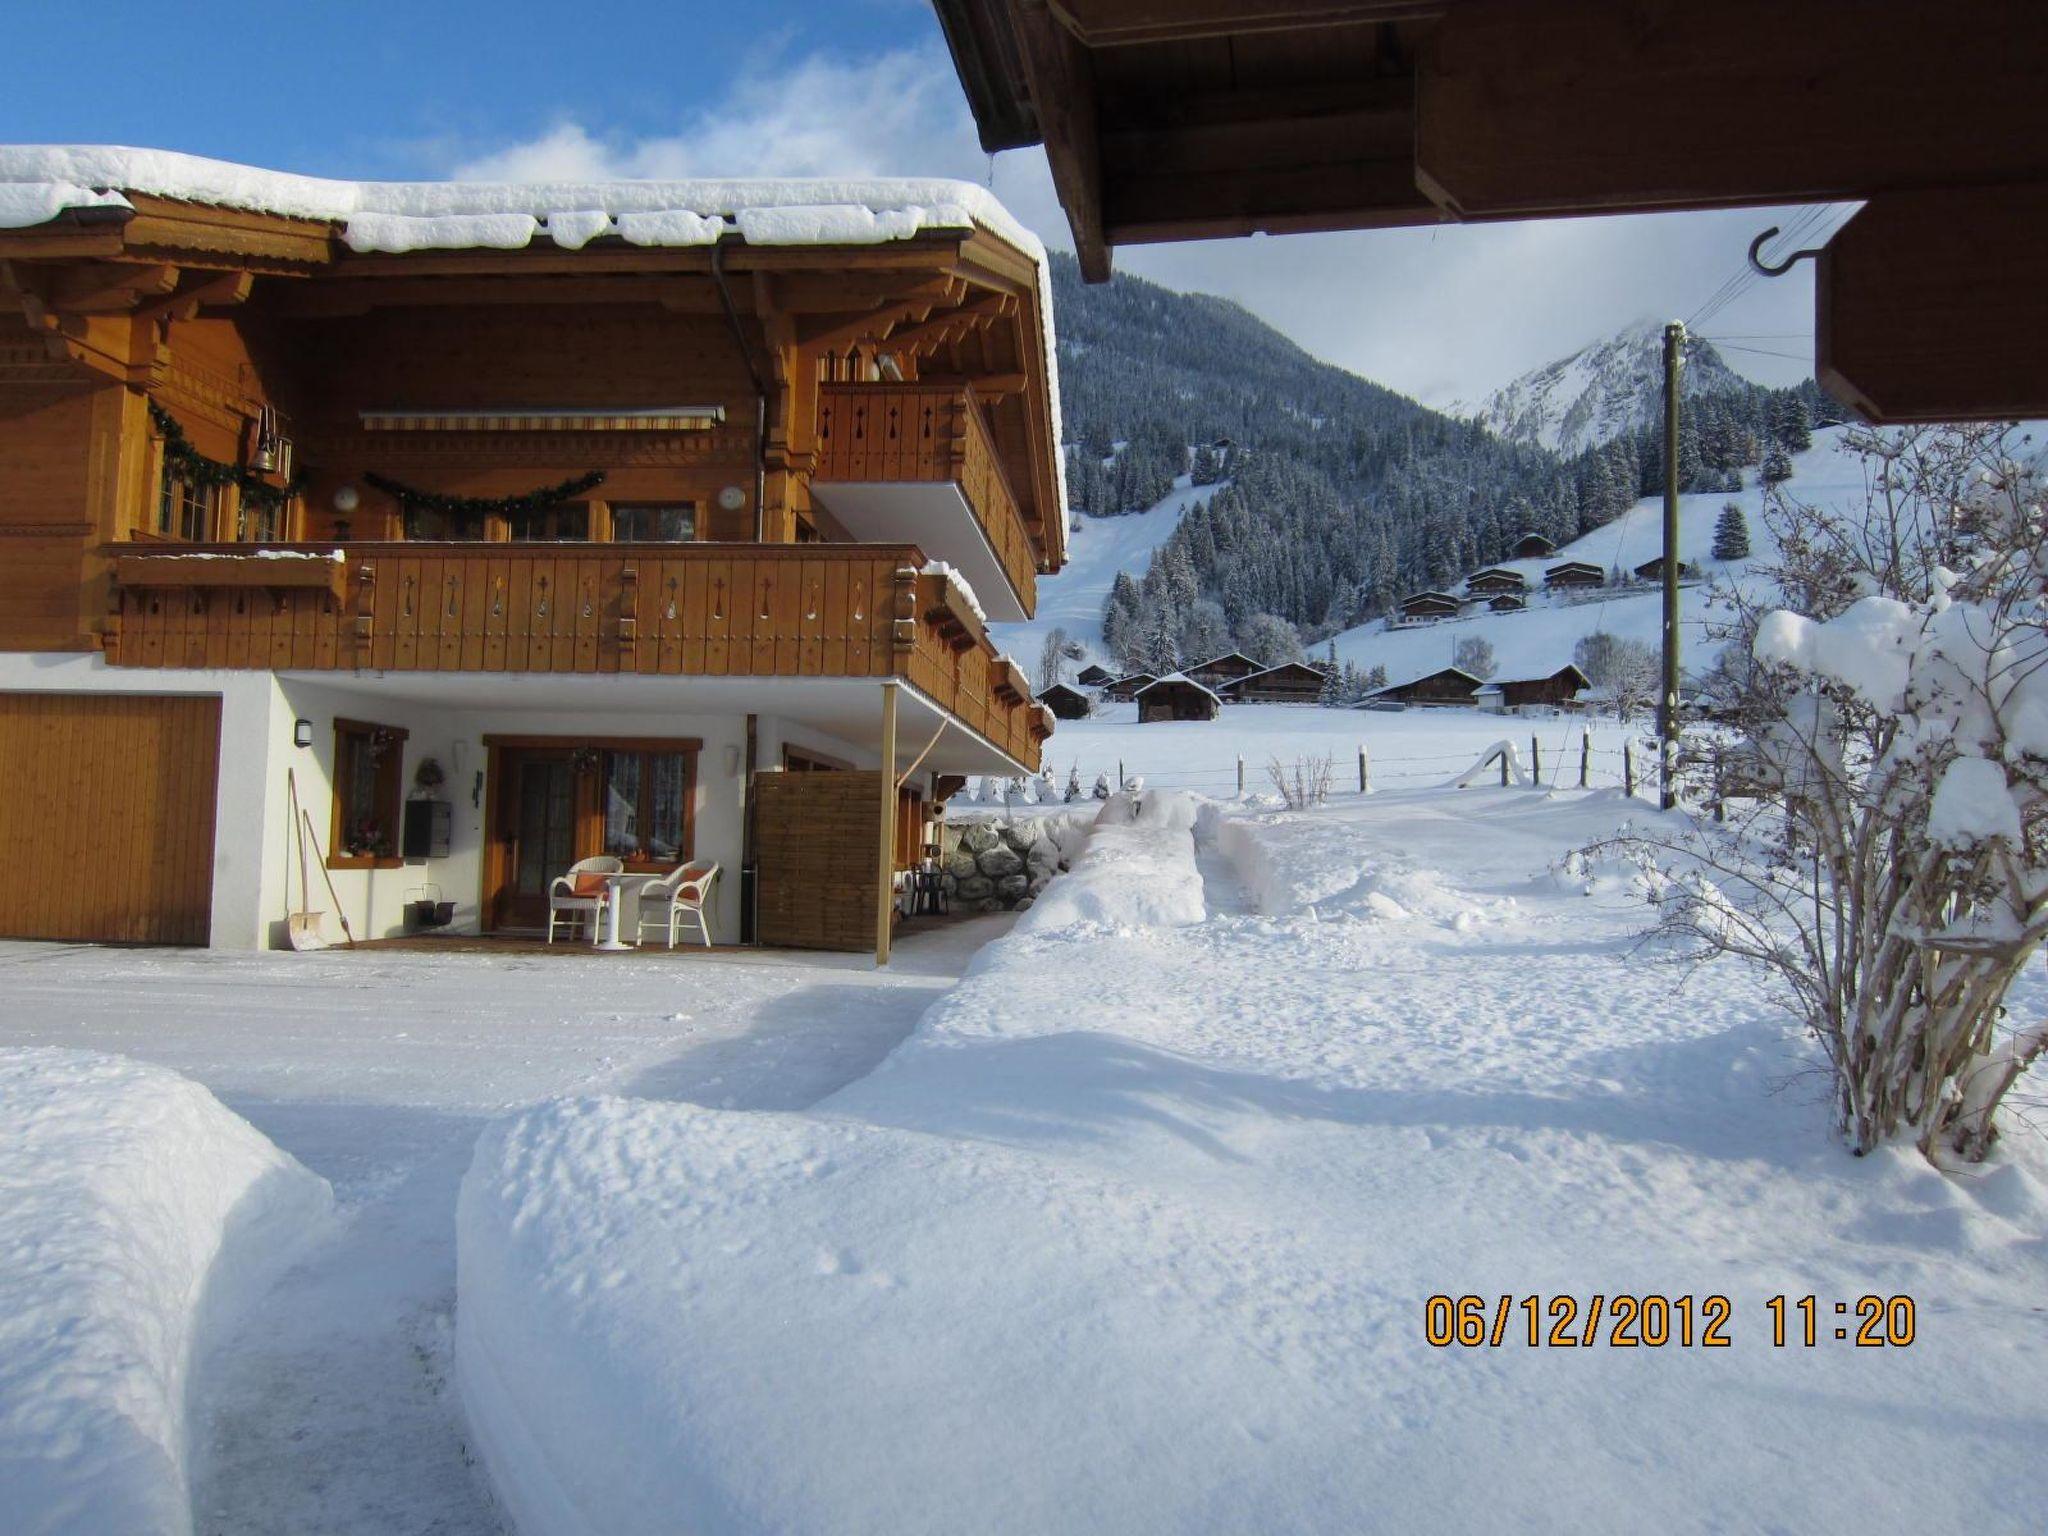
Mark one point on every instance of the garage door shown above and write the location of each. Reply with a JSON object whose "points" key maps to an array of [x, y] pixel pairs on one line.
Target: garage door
{"points": [[106, 816]]}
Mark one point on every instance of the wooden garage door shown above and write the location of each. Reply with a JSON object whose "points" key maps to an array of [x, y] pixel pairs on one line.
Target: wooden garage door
{"points": [[106, 816]]}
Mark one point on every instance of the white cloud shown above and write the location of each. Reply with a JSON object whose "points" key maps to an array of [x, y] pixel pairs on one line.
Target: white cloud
{"points": [[1444, 314]]}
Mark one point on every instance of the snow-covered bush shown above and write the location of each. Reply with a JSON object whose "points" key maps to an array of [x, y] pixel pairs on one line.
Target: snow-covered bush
{"points": [[1891, 870]]}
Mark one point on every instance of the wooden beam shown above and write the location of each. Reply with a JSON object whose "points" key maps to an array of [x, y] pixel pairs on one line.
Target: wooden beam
{"points": [[825, 332], [954, 323], [212, 289], [1579, 106], [1062, 87], [113, 286], [1103, 23], [1933, 306], [885, 895]]}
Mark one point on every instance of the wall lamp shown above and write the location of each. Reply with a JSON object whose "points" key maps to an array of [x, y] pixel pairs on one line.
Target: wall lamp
{"points": [[302, 733]]}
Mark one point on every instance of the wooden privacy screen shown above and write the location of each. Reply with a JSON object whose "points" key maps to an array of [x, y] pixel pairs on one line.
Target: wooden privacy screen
{"points": [[106, 827], [816, 859]]}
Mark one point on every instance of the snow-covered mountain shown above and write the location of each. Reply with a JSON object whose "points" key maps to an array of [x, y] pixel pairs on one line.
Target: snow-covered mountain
{"points": [[1602, 391]]}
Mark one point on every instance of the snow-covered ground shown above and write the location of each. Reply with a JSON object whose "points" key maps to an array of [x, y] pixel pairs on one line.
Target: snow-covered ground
{"points": [[1404, 749], [138, 1220], [1138, 1231], [327, 1409]]}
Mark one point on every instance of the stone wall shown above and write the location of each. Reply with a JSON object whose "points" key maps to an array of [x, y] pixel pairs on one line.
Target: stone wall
{"points": [[995, 865]]}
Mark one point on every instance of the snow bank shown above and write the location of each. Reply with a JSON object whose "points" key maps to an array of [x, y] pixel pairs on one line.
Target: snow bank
{"points": [[137, 1215], [1137, 869], [1294, 862]]}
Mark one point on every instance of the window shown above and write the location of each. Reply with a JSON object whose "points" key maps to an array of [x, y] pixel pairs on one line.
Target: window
{"points": [[368, 798], [564, 522], [647, 798], [670, 522], [262, 522], [185, 509]]}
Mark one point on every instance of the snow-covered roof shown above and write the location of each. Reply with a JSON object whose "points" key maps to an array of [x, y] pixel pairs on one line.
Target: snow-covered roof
{"points": [[1424, 677], [40, 181], [1177, 677]]}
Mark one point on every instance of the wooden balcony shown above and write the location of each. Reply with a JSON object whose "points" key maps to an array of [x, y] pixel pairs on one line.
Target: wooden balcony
{"points": [[702, 610], [881, 445]]}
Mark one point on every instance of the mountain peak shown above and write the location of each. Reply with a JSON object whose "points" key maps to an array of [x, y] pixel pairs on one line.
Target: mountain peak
{"points": [[1602, 390]]}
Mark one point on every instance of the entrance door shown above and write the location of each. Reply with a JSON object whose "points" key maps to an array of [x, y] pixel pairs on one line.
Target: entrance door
{"points": [[540, 827]]}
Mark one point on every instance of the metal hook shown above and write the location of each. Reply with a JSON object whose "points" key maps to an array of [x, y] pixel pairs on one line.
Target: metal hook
{"points": [[1756, 260]]}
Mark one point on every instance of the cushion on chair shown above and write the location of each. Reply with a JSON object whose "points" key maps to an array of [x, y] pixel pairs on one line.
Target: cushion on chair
{"points": [[589, 885]]}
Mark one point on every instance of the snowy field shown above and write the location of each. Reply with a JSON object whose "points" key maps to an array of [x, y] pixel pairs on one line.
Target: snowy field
{"points": [[329, 1408], [1138, 1231], [1408, 749]]}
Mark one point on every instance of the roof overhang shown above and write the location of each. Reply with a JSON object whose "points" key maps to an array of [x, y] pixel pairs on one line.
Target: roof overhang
{"points": [[933, 515]]}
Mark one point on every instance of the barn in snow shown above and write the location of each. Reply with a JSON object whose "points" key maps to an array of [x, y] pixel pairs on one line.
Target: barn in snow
{"points": [[1560, 687], [1066, 701], [1292, 682], [1450, 686], [1176, 697]]}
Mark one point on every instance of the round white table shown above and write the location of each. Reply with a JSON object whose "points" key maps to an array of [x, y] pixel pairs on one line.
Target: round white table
{"points": [[608, 930]]}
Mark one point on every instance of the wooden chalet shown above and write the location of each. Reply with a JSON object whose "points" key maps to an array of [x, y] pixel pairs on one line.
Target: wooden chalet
{"points": [[1450, 686], [1534, 546], [1495, 579], [1125, 689], [1507, 602], [1093, 676], [1066, 701], [1574, 574], [1176, 697], [1227, 668], [650, 521], [1653, 570], [1292, 115], [1292, 682], [1560, 687], [1426, 607]]}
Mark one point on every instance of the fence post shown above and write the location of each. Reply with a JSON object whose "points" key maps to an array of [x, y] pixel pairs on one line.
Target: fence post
{"points": [[1585, 758], [1364, 770], [1240, 778], [1628, 768], [1119, 773], [1503, 765], [1535, 761]]}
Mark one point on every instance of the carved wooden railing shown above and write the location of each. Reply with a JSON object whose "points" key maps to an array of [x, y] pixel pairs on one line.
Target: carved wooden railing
{"points": [[879, 433], [703, 610]]}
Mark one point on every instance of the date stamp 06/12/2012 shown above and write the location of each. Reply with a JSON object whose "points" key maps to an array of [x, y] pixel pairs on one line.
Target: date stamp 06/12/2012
{"points": [[1626, 1321]]}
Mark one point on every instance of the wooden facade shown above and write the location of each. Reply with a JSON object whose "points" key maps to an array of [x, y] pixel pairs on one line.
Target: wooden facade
{"points": [[1176, 698], [1535, 546], [106, 825], [819, 876], [1292, 682], [1065, 701], [1574, 574], [1094, 677], [1429, 605], [1560, 687], [1226, 668], [1495, 579], [1449, 686], [1124, 689]]}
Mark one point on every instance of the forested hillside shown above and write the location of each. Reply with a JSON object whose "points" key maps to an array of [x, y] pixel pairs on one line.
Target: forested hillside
{"points": [[1342, 494]]}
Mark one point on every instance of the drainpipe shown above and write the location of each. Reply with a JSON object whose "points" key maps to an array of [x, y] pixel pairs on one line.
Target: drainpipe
{"points": [[739, 336]]}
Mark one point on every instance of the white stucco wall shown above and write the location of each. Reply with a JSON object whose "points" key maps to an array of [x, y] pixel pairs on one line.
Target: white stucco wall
{"points": [[256, 870]]}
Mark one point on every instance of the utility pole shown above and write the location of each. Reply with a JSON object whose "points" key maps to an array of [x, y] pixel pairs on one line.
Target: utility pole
{"points": [[1667, 707]]}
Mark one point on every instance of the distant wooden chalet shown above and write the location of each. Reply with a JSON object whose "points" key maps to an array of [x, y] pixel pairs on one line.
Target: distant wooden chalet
{"points": [[1226, 668], [1560, 687], [1653, 570], [1507, 602], [1292, 682], [1176, 697], [1534, 546], [1450, 686], [1496, 578], [1126, 688], [1092, 676], [1422, 607], [1066, 701], [661, 523], [1574, 573]]}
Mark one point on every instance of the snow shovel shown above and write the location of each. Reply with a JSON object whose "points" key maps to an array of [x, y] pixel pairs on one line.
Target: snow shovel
{"points": [[303, 927], [306, 823]]}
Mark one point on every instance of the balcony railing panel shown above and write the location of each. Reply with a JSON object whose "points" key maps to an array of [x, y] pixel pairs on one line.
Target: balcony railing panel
{"points": [[707, 610], [884, 433]]}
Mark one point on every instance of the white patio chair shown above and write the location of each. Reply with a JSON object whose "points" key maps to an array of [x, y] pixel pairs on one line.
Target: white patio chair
{"points": [[679, 894], [574, 901]]}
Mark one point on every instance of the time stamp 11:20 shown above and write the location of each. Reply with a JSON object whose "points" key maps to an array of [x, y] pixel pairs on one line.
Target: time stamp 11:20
{"points": [[1625, 1321]]}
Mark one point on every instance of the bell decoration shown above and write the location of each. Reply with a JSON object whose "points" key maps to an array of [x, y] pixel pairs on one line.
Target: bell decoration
{"points": [[264, 458]]}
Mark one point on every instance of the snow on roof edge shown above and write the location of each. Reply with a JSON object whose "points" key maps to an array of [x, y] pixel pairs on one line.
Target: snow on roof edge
{"points": [[39, 181]]}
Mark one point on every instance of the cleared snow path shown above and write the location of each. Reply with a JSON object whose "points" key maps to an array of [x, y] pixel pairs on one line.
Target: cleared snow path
{"points": [[331, 1412]]}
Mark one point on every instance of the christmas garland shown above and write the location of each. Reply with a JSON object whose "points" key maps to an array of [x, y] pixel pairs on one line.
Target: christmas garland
{"points": [[193, 467], [411, 498]]}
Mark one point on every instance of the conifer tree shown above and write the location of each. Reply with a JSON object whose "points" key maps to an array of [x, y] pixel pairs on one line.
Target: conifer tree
{"points": [[1731, 534]]}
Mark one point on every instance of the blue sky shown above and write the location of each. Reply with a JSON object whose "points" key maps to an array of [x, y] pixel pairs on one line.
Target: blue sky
{"points": [[518, 90]]}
